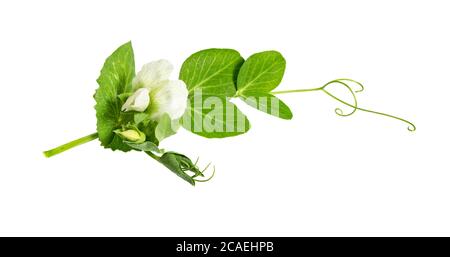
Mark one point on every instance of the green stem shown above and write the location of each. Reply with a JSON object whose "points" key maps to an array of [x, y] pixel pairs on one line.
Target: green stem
{"points": [[296, 91], [154, 156], [70, 145]]}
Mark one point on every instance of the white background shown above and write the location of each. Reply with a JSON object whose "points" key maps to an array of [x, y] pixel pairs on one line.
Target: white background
{"points": [[316, 175]]}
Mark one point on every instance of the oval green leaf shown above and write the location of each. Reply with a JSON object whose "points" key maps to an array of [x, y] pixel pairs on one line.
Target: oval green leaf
{"points": [[261, 73], [214, 117], [213, 71], [269, 104]]}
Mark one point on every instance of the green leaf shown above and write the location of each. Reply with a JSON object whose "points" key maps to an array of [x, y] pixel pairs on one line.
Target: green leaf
{"points": [[269, 104], [124, 96], [114, 80], [214, 117], [147, 126], [141, 117], [214, 71], [146, 146], [261, 73], [166, 127]]}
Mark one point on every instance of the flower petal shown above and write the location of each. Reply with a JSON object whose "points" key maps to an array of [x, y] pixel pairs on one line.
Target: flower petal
{"points": [[170, 98], [152, 74], [139, 101]]}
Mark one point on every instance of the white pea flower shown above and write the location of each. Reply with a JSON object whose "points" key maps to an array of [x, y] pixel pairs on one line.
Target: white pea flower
{"points": [[164, 95]]}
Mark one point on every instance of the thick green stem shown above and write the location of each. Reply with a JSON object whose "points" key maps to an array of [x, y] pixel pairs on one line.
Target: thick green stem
{"points": [[70, 145]]}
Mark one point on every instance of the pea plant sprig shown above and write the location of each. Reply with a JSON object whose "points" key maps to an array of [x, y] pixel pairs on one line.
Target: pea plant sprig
{"points": [[137, 111]]}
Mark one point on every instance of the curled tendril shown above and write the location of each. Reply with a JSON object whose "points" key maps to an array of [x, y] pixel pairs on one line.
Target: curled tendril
{"points": [[339, 111], [197, 173], [210, 177], [196, 161], [361, 87], [411, 126], [353, 92]]}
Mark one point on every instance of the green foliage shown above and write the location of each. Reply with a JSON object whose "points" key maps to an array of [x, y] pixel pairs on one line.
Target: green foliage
{"points": [[260, 74], [269, 104], [114, 80], [146, 146], [213, 71], [147, 126], [214, 117], [166, 127], [218, 74], [141, 117]]}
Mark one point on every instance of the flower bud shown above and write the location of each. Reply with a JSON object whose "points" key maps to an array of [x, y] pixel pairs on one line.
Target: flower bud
{"points": [[132, 135]]}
